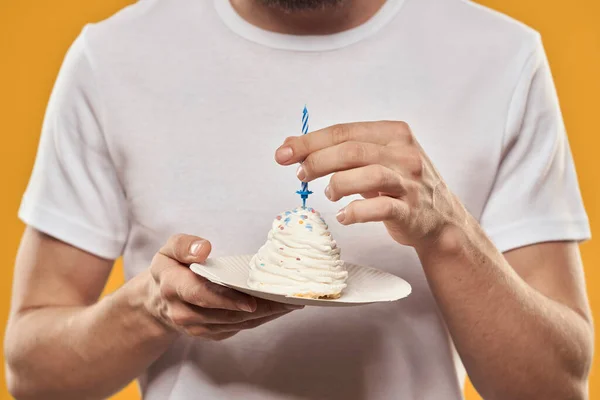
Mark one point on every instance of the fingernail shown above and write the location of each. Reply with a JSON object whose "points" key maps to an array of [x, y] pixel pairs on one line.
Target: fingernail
{"points": [[195, 247], [242, 305], [284, 154], [300, 173], [341, 215], [328, 192]]}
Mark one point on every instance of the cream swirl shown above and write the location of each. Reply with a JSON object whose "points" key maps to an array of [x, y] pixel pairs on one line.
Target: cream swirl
{"points": [[300, 258]]}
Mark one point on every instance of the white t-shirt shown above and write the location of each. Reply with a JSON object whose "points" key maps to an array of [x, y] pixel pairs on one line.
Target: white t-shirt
{"points": [[165, 119]]}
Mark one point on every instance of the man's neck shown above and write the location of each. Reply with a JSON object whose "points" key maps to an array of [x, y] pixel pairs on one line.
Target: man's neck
{"points": [[327, 20]]}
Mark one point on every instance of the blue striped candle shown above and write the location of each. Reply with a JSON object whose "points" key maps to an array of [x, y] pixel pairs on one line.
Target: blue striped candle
{"points": [[304, 192]]}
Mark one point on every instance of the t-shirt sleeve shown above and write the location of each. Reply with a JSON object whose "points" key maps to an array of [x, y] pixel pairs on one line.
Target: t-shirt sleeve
{"points": [[535, 197], [74, 192]]}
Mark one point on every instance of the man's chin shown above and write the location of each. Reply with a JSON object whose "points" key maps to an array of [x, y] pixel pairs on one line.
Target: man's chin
{"points": [[302, 5]]}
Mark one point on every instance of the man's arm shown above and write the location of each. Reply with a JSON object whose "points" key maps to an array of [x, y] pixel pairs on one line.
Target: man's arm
{"points": [[521, 322], [59, 342], [62, 343]]}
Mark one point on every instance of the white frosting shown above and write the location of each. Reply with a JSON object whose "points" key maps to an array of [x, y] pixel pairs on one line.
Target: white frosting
{"points": [[299, 258]]}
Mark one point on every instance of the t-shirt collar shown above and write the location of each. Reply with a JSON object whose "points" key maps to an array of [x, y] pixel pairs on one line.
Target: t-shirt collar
{"points": [[306, 42]]}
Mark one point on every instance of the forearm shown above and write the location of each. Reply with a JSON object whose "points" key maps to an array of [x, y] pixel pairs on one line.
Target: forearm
{"points": [[515, 342], [83, 352]]}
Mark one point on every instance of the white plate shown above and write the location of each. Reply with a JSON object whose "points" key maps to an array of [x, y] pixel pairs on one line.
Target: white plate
{"points": [[365, 285]]}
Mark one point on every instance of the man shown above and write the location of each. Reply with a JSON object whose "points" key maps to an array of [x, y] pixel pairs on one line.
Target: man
{"points": [[165, 119]]}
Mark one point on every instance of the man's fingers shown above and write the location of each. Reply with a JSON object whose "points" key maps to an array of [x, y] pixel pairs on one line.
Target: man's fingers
{"points": [[250, 324], [203, 293], [264, 308], [186, 249], [188, 315], [224, 331], [382, 208], [341, 157], [179, 282], [296, 149], [370, 179]]}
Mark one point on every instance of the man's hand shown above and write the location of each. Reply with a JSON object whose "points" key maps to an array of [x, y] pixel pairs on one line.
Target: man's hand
{"points": [[58, 322], [188, 303], [483, 296], [383, 162]]}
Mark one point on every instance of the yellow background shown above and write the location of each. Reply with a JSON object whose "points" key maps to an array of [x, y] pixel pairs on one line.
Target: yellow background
{"points": [[34, 36]]}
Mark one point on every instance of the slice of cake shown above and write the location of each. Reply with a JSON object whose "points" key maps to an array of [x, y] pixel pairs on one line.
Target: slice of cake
{"points": [[300, 258]]}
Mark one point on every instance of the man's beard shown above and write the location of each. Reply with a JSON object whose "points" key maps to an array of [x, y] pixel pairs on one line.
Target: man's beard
{"points": [[301, 5]]}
